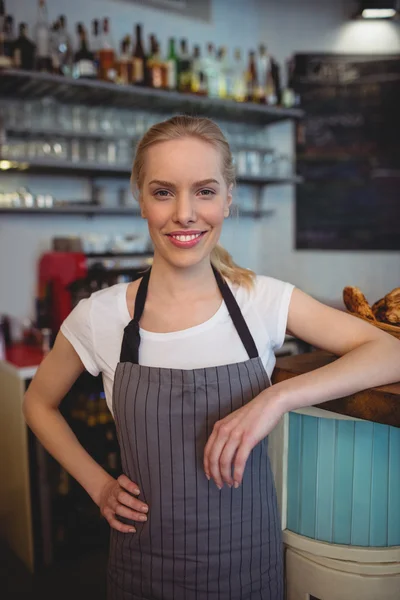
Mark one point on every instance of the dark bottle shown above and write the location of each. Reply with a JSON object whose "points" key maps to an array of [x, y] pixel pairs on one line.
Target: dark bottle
{"points": [[9, 37], [184, 68], [24, 50], [5, 60], [251, 78], [84, 65], [138, 59]]}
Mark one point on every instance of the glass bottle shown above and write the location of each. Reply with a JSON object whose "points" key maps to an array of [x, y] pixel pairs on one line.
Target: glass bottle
{"points": [[225, 81], [125, 63], [24, 50], [184, 68], [64, 46], [251, 78], [9, 37], [138, 59], [172, 66], [198, 84], [107, 70], [211, 72], [42, 39], [84, 65], [239, 91], [95, 41], [5, 61]]}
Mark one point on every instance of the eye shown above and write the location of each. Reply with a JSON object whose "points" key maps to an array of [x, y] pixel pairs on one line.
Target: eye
{"points": [[207, 193], [161, 194]]}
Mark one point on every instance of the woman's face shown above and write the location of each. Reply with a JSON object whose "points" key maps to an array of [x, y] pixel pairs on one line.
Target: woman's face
{"points": [[185, 199]]}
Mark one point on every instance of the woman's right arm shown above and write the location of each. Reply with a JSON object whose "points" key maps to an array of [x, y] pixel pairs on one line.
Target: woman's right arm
{"points": [[54, 378]]}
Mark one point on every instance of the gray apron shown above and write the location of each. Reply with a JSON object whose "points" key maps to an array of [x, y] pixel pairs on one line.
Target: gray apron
{"points": [[199, 543]]}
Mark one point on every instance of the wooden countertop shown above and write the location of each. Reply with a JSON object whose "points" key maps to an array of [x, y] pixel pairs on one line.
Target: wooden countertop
{"points": [[380, 404]]}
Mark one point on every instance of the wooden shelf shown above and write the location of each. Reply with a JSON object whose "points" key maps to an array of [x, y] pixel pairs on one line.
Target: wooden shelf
{"points": [[31, 85]]}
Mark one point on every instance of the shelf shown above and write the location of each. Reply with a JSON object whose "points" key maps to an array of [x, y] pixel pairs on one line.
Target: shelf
{"points": [[48, 165], [110, 211], [73, 210], [32, 85]]}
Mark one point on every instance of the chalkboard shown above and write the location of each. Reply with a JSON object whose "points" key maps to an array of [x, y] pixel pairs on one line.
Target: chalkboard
{"points": [[348, 149]]}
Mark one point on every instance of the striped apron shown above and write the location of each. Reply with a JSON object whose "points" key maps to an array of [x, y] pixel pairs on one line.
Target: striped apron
{"points": [[199, 543]]}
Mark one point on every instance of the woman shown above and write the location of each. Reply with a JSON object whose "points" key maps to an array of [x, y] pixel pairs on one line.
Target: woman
{"points": [[186, 354]]}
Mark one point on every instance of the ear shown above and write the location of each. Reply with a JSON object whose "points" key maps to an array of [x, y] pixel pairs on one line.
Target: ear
{"points": [[228, 201]]}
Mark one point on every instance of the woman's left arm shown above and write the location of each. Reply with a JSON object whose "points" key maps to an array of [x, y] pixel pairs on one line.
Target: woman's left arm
{"points": [[368, 357]]}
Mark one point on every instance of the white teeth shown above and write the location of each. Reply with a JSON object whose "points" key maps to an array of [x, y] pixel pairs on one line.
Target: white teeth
{"points": [[186, 238]]}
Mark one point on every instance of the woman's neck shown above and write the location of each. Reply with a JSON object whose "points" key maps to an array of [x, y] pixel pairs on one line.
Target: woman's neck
{"points": [[179, 282]]}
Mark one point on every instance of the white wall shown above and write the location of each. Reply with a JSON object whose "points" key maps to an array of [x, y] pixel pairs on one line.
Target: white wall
{"points": [[265, 245]]}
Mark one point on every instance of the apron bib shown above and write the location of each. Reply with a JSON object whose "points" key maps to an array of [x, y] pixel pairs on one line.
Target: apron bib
{"points": [[199, 543]]}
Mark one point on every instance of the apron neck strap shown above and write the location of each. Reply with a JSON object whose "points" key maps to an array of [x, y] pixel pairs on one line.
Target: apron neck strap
{"points": [[131, 339]]}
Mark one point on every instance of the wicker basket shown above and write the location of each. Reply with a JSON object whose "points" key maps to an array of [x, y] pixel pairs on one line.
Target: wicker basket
{"points": [[392, 329]]}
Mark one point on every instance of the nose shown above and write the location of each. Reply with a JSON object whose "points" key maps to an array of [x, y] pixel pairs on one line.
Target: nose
{"points": [[185, 212]]}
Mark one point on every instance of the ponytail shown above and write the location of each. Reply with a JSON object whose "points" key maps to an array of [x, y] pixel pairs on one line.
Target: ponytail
{"points": [[224, 263]]}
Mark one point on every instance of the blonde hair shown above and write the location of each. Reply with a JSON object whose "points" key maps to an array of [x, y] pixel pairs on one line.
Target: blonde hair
{"points": [[206, 130]]}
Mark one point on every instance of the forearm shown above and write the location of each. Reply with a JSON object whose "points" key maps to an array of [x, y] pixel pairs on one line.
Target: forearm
{"points": [[369, 365], [56, 436]]}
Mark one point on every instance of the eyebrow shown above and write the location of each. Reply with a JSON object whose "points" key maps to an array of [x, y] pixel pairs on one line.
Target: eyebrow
{"points": [[194, 185]]}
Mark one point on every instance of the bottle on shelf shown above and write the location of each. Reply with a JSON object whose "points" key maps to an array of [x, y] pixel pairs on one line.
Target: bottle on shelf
{"points": [[95, 41], [251, 78], [211, 72], [9, 36], [184, 67], [198, 84], [172, 66], [239, 84], [125, 63], [107, 70], [64, 46], [158, 68], [138, 59], [84, 63], [5, 60], [225, 75], [24, 50], [42, 38]]}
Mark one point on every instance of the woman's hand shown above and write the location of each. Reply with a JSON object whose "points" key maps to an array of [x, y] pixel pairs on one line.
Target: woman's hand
{"points": [[116, 499], [234, 437]]}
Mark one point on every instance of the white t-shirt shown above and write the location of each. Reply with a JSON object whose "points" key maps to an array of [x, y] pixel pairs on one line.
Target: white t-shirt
{"points": [[96, 325]]}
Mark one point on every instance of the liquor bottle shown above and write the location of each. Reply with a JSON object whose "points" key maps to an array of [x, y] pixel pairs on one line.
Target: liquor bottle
{"points": [[107, 70], [158, 69], [95, 41], [125, 63], [225, 78], [138, 59], [148, 61], [251, 78], [172, 66], [84, 65], [9, 37], [42, 38], [211, 72], [239, 91], [198, 83], [5, 61], [184, 68], [64, 46]]}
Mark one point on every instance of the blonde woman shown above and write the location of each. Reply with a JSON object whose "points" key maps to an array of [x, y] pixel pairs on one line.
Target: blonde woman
{"points": [[186, 355]]}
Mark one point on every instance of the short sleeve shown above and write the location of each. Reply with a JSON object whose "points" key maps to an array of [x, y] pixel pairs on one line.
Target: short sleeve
{"points": [[78, 330], [272, 299]]}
